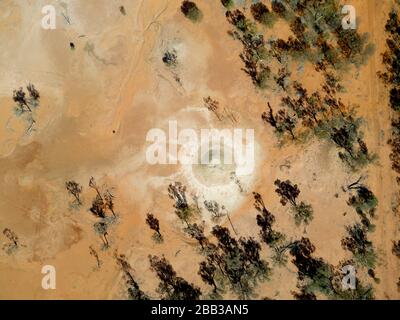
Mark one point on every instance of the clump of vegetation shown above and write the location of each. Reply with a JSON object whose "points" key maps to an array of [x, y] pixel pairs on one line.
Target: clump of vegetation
{"points": [[265, 220], [324, 116], [391, 60], [213, 106], [262, 14], [172, 287], [319, 39], [215, 209], [94, 253], [75, 189], [183, 210], [358, 244], [170, 58], [102, 202], [283, 122], [13, 239], [239, 20], [274, 239], [279, 8], [391, 77], [347, 136], [196, 232], [101, 205], [365, 203], [254, 55], [154, 225], [191, 11], [101, 228], [228, 4], [303, 212], [232, 262], [317, 276], [134, 291], [26, 104], [318, 35], [303, 295]]}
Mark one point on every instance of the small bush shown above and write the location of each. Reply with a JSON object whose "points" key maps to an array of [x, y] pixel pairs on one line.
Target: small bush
{"points": [[170, 58], [262, 14], [191, 11], [303, 213], [229, 4]]}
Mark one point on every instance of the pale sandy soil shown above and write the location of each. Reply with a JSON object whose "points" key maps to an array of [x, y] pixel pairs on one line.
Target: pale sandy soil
{"points": [[122, 85]]}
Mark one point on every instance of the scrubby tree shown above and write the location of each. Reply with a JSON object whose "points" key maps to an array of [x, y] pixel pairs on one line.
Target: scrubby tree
{"points": [[13, 244], [134, 291], [358, 244], [365, 203], [97, 207], [101, 228], [102, 202], [265, 220], [303, 213], [317, 276], [391, 77], [172, 287], [12, 236], [238, 262], [279, 8], [75, 189], [93, 185], [213, 207], [25, 105], [228, 4], [286, 121], [207, 273], [197, 232], [170, 58], [288, 193], [282, 122], [191, 11], [154, 225], [33, 93], [282, 78], [262, 14], [109, 201], [94, 253], [183, 210], [213, 106], [19, 97], [239, 20]]}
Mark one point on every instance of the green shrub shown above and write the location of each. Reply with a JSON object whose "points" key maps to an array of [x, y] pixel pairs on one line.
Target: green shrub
{"points": [[262, 14], [229, 4], [191, 11], [303, 213]]}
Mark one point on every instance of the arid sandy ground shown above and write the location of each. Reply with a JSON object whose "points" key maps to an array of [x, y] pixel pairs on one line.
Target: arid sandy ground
{"points": [[97, 104]]}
